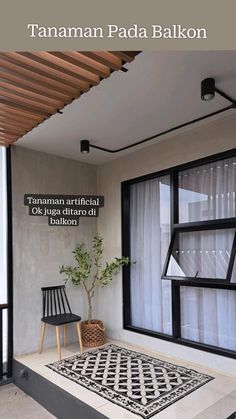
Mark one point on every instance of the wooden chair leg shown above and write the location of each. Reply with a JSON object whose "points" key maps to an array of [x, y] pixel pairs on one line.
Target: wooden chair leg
{"points": [[64, 334], [43, 328], [58, 342], [79, 336]]}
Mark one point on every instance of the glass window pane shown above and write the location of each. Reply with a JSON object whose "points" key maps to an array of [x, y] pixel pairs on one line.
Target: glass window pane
{"points": [[149, 241], [5, 331], [3, 227], [201, 254], [209, 316], [208, 192]]}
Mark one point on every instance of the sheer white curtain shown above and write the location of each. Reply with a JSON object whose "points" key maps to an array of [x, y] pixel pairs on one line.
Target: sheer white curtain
{"points": [[3, 244], [209, 316], [150, 235], [208, 192]]}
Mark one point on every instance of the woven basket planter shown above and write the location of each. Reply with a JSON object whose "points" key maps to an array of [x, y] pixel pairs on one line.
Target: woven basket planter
{"points": [[93, 333]]}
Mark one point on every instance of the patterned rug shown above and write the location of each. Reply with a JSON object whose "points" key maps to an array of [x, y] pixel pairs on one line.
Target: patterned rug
{"points": [[135, 381]]}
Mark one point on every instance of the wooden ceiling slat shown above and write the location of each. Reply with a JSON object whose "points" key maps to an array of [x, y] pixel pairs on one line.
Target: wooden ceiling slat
{"points": [[32, 63], [22, 100], [5, 126], [38, 76], [76, 58], [9, 137], [29, 94], [3, 135], [105, 58], [34, 86], [15, 119], [56, 62], [29, 122], [15, 111], [127, 56], [9, 124], [29, 109], [12, 132]]}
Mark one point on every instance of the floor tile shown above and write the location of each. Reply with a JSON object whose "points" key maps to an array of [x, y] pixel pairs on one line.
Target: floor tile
{"points": [[222, 409], [15, 404]]}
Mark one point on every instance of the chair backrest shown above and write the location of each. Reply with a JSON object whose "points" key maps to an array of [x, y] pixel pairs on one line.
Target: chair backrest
{"points": [[55, 301]]}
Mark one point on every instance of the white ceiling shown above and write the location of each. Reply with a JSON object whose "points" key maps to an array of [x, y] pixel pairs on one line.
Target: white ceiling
{"points": [[160, 90]]}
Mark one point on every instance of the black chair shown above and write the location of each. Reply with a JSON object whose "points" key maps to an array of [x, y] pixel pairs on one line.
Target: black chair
{"points": [[57, 312]]}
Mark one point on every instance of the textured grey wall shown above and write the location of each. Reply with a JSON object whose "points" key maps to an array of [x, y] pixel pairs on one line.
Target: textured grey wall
{"points": [[39, 250]]}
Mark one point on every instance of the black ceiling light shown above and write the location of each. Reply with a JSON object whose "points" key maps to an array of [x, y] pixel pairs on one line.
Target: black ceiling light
{"points": [[84, 146], [208, 89]]}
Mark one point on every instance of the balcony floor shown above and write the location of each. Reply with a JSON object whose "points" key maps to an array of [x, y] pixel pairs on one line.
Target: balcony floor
{"points": [[214, 400], [15, 404]]}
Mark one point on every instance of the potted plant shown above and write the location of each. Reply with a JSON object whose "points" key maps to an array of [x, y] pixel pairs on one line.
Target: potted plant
{"points": [[90, 272]]}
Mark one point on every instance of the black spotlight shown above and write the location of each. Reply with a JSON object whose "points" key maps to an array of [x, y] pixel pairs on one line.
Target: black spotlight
{"points": [[84, 146], [208, 89]]}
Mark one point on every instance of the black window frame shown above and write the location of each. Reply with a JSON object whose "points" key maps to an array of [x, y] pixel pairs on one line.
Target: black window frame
{"points": [[177, 282]]}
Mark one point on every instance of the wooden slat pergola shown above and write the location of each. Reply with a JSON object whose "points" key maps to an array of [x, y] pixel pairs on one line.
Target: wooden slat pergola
{"points": [[36, 85]]}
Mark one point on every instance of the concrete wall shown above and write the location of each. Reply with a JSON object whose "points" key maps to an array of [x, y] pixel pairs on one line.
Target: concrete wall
{"points": [[39, 250], [193, 144]]}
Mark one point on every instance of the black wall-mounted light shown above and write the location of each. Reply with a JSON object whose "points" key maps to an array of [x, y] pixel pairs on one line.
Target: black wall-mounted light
{"points": [[84, 146], [208, 89]]}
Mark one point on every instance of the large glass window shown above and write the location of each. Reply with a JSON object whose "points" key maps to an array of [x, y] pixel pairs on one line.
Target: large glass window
{"points": [[149, 240], [180, 229]]}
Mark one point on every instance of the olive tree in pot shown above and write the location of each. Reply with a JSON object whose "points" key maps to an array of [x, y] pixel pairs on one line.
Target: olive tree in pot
{"points": [[90, 272]]}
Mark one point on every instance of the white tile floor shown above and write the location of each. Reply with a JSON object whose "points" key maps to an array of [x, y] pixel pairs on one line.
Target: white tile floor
{"points": [[15, 404], [214, 400]]}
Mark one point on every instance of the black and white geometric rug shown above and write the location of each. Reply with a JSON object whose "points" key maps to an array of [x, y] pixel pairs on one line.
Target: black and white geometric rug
{"points": [[135, 381]]}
